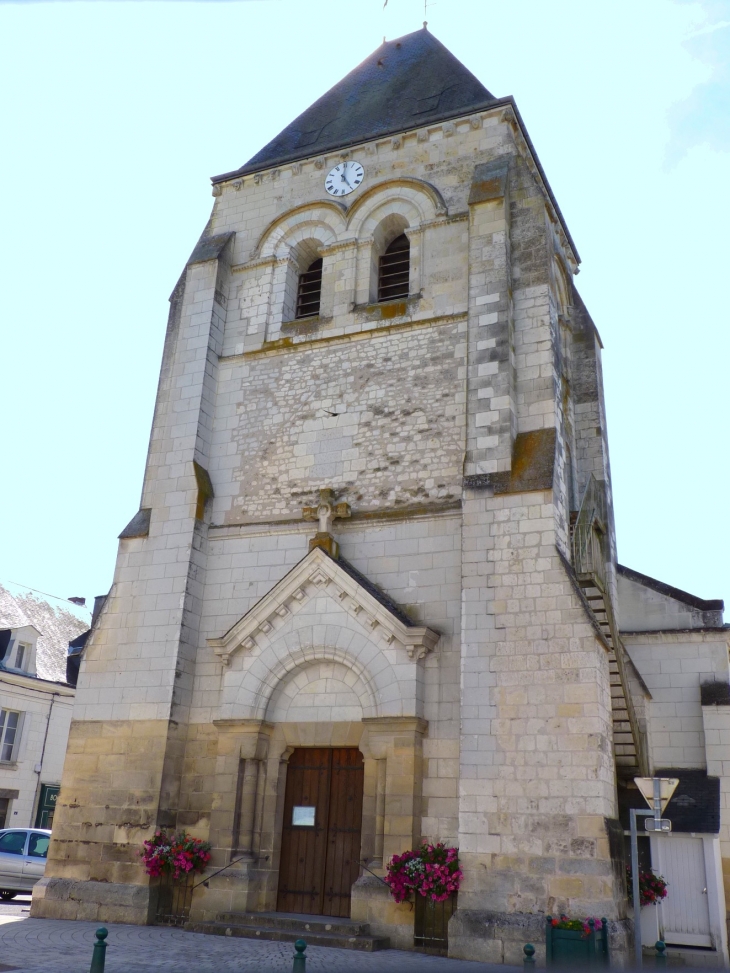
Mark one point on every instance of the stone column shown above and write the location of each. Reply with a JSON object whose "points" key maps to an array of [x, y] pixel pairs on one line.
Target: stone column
{"points": [[242, 749], [379, 813], [235, 819], [397, 745], [393, 752]]}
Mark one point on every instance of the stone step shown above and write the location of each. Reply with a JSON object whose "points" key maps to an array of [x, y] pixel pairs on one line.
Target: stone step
{"points": [[287, 928], [297, 921]]}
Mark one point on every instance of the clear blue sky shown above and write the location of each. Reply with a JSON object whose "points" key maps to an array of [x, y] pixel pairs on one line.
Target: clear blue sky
{"points": [[114, 115]]}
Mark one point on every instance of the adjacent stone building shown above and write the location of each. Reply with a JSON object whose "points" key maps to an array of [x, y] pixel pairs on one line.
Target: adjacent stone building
{"points": [[374, 567]]}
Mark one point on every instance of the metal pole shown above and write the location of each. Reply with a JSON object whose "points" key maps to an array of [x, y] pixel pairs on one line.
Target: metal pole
{"points": [[657, 799], [299, 964], [99, 954], [635, 882], [635, 890]]}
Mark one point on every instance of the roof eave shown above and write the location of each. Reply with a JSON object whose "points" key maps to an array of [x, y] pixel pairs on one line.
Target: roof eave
{"points": [[247, 169], [508, 101]]}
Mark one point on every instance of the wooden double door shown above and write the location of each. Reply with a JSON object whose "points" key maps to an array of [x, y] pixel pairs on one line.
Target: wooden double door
{"points": [[320, 845]]}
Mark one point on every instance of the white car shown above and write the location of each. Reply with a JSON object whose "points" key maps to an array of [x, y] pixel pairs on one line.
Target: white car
{"points": [[23, 853]]}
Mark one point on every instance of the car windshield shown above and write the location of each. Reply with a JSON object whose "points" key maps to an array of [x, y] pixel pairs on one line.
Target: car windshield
{"points": [[12, 842]]}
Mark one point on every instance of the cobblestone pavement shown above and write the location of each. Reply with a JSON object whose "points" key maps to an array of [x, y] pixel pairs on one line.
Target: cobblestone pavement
{"points": [[55, 946]]}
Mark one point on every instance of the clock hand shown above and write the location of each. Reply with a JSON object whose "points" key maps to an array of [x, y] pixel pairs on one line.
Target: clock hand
{"points": [[344, 179]]}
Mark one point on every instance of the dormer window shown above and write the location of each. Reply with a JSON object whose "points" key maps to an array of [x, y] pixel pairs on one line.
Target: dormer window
{"points": [[309, 291], [394, 270], [22, 655]]}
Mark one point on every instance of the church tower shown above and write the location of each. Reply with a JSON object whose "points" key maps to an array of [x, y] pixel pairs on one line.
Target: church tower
{"points": [[368, 595]]}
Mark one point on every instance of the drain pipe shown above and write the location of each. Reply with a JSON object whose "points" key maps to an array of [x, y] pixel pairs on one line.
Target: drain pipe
{"points": [[38, 769]]}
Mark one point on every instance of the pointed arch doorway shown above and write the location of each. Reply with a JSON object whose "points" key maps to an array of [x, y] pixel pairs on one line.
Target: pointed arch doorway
{"points": [[321, 834]]}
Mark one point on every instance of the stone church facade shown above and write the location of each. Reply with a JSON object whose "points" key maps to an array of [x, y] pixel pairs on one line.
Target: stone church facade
{"points": [[375, 537]]}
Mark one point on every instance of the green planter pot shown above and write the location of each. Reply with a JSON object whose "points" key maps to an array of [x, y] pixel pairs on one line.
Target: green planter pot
{"points": [[571, 947]]}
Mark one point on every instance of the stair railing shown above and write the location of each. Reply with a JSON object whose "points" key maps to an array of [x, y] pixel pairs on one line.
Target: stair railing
{"points": [[590, 528], [589, 561]]}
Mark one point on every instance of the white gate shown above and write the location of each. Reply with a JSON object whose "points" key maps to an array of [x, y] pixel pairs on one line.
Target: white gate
{"points": [[684, 916]]}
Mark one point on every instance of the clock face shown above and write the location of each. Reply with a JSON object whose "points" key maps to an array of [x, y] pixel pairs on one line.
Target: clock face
{"points": [[344, 178]]}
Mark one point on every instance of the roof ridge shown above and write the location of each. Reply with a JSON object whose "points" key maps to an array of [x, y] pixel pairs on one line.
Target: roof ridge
{"points": [[694, 601], [403, 84]]}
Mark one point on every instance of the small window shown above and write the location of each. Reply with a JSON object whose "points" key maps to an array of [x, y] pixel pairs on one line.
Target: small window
{"points": [[9, 721], [309, 292], [38, 845], [22, 655], [12, 843], [394, 270]]}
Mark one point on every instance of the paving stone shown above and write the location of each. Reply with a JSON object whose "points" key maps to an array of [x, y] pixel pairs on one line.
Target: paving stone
{"points": [[40, 945]]}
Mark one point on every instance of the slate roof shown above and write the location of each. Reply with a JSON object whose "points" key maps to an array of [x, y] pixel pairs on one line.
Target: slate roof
{"points": [[406, 83], [385, 600], [11, 614], [57, 626]]}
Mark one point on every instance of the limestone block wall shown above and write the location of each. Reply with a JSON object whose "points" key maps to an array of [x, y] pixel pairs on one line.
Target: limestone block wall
{"points": [[537, 775], [649, 609], [378, 419], [674, 665]]}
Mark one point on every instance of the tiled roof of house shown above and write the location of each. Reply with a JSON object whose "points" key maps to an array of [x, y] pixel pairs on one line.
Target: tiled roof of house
{"points": [[56, 623], [11, 614], [406, 83]]}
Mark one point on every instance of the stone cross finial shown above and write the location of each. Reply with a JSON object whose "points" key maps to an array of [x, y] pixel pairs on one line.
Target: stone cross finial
{"points": [[325, 513]]}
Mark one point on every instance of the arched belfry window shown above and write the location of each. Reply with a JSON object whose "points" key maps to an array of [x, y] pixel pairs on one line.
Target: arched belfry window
{"points": [[394, 270], [309, 291]]}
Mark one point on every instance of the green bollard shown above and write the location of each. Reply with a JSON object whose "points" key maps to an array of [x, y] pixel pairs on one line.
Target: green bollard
{"points": [[528, 962], [98, 957], [300, 960], [661, 957]]}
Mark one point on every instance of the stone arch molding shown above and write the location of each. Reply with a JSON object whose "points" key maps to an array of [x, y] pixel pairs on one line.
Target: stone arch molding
{"points": [[321, 612], [330, 223], [416, 201], [322, 221], [318, 661]]}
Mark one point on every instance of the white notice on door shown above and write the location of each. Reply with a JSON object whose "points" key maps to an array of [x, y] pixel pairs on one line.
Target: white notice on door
{"points": [[303, 816]]}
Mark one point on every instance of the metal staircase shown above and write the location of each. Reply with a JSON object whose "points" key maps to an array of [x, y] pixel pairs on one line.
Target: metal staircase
{"points": [[589, 534]]}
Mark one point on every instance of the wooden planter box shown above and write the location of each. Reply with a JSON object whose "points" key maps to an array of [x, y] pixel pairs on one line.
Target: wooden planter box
{"points": [[431, 925], [570, 947]]}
